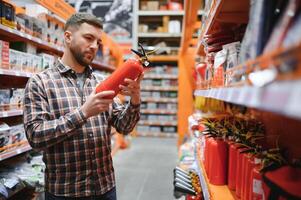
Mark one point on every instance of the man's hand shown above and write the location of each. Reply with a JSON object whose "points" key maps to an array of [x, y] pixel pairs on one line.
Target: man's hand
{"points": [[96, 103], [132, 89]]}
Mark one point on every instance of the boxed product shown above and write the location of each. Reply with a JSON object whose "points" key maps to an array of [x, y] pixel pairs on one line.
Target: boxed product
{"points": [[152, 5], [28, 23], [47, 61], [156, 94], [15, 59], [142, 128], [4, 135], [155, 129], [4, 54], [4, 99], [16, 98], [7, 14], [26, 62], [151, 105], [17, 133], [169, 129], [37, 63]]}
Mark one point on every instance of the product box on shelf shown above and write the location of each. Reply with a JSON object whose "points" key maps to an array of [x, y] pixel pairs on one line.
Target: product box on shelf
{"points": [[169, 129], [155, 129], [15, 59], [16, 98], [156, 94], [26, 62], [7, 14], [47, 60], [17, 133], [151, 105], [4, 135], [4, 54], [37, 63], [4, 99], [142, 128]]}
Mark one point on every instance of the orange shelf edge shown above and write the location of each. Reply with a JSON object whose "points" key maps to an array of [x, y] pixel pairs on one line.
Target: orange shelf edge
{"points": [[216, 192]]}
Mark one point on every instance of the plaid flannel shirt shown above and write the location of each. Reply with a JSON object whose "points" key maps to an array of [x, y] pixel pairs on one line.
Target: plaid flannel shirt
{"points": [[76, 150]]}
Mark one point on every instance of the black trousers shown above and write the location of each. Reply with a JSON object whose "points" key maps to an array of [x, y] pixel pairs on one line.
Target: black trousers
{"points": [[110, 195]]}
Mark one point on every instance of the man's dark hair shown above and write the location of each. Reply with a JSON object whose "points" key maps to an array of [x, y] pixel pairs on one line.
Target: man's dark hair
{"points": [[79, 18]]}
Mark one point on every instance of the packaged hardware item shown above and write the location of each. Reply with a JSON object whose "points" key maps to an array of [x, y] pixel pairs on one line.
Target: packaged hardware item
{"points": [[4, 99], [17, 98], [17, 133], [4, 135], [232, 50], [283, 25], [4, 54], [262, 18], [47, 61], [15, 59], [7, 14], [293, 35], [219, 68], [28, 23]]}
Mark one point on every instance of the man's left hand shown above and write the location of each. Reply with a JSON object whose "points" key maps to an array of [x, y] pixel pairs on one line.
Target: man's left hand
{"points": [[132, 89]]}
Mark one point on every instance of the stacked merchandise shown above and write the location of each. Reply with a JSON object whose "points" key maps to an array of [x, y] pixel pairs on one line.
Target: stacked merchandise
{"points": [[233, 150], [19, 174], [186, 178], [11, 136], [272, 25]]}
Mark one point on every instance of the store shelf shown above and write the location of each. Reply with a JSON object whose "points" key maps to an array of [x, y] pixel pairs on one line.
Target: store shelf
{"points": [[212, 192], [159, 35], [165, 100], [24, 147], [157, 134], [225, 11], [9, 72], [11, 113], [20, 36], [158, 111], [167, 58], [280, 97], [159, 76], [160, 13], [157, 123], [159, 88]]}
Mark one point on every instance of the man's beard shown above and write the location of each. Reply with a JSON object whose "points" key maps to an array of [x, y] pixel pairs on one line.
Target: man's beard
{"points": [[79, 57]]}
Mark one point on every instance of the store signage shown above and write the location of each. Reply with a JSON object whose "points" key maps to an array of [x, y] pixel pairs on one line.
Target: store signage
{"points": [[58, 7]]}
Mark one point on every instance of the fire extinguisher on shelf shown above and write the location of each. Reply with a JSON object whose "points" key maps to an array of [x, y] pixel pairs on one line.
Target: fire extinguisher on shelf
{"points": [[131, 69]]}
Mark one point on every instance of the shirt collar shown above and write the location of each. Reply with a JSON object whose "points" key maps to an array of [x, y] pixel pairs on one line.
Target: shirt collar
{"points": [[65, 68]]}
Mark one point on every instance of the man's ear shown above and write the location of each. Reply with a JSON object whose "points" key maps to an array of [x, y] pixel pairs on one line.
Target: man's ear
{"points": [[67, 37]]}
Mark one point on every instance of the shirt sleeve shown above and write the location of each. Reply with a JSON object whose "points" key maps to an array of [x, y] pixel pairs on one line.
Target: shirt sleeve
{"points": [[125, 117], [42, 130]]}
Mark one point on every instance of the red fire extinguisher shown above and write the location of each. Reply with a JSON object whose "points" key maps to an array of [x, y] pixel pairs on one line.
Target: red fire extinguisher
{"points": [[238, 187], [256, 182], [232, 165], [218, 167], [131, 69]]}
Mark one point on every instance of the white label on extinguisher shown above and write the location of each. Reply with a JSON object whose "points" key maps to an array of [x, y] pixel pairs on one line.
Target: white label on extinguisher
{"points": [[257, 186]]}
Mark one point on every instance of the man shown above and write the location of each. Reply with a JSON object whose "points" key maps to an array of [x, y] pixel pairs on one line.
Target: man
{"points": [[64, 117]]}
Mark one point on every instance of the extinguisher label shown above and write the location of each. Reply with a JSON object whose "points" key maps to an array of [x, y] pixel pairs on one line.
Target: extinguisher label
{"points": [[257, 187]]}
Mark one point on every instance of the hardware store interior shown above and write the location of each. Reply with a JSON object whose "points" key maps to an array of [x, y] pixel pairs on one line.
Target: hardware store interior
{"points": [[212, 105]]}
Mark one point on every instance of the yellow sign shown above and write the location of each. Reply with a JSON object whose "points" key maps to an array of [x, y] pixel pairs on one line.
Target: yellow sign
{"points": [[58, 7]]}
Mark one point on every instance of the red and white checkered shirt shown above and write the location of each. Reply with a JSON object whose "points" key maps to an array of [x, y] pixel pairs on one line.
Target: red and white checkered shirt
{"points": [[76, 151]]}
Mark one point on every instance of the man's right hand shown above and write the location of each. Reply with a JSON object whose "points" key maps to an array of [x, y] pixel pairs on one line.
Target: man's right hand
{"points": [[97, 103]]}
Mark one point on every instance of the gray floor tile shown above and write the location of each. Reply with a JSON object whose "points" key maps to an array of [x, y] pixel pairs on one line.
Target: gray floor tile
{"points": [[145, 170]]}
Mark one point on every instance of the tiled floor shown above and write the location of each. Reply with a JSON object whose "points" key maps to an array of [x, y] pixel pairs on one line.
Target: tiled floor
{"points": [[145, 170]]}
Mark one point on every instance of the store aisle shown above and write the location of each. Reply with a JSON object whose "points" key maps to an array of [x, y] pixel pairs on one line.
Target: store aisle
{"points": [[144, 171]]}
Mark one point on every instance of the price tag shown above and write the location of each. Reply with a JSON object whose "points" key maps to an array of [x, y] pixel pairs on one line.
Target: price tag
{"points": [[22, 34], [11, 182], [19, 151], [17, 73], [5, 114]]}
